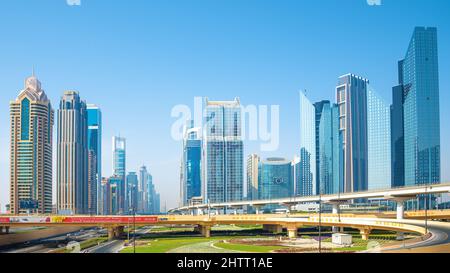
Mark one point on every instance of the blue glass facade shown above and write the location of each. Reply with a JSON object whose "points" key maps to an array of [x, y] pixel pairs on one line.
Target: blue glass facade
{"points": [[318, 106], [397, 133], [119, 169], [421, 109], [330, 153], [305, 183], [379, 141], [191, 166], [94, 120], [275, 179], [223, 148]]}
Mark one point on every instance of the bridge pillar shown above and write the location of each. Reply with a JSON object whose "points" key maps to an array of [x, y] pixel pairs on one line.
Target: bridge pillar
{"points": [[205, 231], [365, 233], [111, 234], [6, 230], [115, 232], [292, 232], [1, 230]]}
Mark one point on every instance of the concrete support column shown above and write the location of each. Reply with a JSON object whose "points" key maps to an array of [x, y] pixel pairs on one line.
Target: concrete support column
{"points": [[119, 231], [336, 208], [111, 233], [365, 232], [1, 230], [400, 209], [205, 231], [6, 230], [292, 232]]}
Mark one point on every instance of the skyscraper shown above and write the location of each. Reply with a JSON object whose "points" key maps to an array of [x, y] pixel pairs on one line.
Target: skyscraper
{"points": [[318, 106], [421, 108], [72, 155], [95, 156], [252, 177], [132, 186], [397, 133], [223, 151], [378, 141], [31, 150], [330, 151], [191, 168], [115, 195], [351, 94], [119, 170], [306, 168], [144, 186]]}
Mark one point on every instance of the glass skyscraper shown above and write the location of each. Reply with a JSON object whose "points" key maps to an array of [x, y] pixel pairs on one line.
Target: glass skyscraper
{"points": [[191, 164], [31, 150], [223, 151], [275, 178], [119, 169], [72, 155], [330, 152], [378, 141], [318, 106], [132, 186], [306, 167], [94, 140], [351, 94], [421, 109], [397, 133], [252, 177]]}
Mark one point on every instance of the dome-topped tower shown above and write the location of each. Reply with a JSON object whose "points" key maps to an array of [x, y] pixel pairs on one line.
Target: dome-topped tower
{"points": [[33, 89]]}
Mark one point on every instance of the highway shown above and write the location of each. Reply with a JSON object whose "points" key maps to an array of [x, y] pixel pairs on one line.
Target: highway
{"points": [[116, 245]]}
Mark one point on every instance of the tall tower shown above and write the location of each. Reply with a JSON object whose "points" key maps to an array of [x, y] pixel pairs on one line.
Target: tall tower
{"points": [[351, 94], [31, 150], [306, 178], [223, 152], [421, 109], [94, 140], [119, 171], [72, 155], [191, 163]]}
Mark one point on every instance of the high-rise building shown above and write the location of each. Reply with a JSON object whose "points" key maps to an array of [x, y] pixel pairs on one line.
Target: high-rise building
{"points": [[330, 152], [252, 177], [31, 150], [351, 94], [275, 178], [397, 133], [72, 155], [104, 202], [119, 169], [115, 189], [191, 163], [132, 186], [318, 106], [306, 167], [144, 189], [94, 139], [421, 108], [223, 152], [378, 141]]}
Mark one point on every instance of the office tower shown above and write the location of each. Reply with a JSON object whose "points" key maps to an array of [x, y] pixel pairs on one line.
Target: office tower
{"points": [[150, 194], [191, 163], [351, 94], [143, 189], [72, 155], [31, 150], [115, 193], [252, 177], [94, 139], [378, 141], [132, 186], [104, 202], [421, 109], [397, 133], [330, 152], [157, 204], [223, 151], [275, 178], [318, 106], [305, 180], [119, 169]]}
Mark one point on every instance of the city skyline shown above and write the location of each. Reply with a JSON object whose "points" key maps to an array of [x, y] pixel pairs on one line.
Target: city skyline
{"points": [[163, 163]]}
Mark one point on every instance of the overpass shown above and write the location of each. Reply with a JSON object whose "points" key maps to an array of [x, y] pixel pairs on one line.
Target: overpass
{"points": [[399, 195], [203, 224]]}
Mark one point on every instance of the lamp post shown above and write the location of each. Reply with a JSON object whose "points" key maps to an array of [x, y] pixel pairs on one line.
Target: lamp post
{"points": [[320, 221]]}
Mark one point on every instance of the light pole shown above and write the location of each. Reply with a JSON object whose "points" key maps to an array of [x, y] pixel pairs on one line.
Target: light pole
{"points": [[426, 210], [320, 221]]}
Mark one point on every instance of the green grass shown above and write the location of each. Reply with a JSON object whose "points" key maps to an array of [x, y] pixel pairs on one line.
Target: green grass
{"points": [[248, 248]]}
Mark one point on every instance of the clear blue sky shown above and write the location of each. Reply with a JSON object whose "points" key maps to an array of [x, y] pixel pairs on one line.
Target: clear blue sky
{"points": [[137, 59]]}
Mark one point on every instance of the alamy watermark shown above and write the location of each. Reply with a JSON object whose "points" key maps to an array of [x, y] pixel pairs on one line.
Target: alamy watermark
{"points": [[258, 123], [73, 2], [374, 2]]}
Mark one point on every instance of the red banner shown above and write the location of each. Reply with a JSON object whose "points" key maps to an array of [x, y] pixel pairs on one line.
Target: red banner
{"points": [[110, 220], [4, 220]]}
